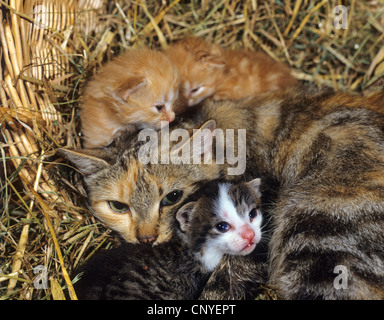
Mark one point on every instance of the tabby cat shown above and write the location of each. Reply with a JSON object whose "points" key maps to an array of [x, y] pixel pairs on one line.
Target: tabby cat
{"points": [[135, 199], [322, 154]]}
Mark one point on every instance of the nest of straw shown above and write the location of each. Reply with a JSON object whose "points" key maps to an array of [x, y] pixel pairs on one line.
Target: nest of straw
{"points": [[49, 48]]}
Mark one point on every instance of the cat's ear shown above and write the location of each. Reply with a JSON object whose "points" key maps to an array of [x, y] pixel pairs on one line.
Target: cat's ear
{"points": [[210, 124], [213, 61], [255, 184], [88, 161], [211, 58], [184, 216], [206, 132], [200, 142], [130, 86]]}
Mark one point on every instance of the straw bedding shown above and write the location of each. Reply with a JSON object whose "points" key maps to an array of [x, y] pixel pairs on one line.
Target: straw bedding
{"points": [[49, 48]]}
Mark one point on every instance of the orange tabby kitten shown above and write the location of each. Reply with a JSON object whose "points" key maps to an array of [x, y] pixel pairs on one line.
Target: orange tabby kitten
{"points": [[138, 89], [208, 71]]}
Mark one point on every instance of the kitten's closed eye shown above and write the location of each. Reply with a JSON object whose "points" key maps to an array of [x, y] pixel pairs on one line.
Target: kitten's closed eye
{"points": [[197, 90]]}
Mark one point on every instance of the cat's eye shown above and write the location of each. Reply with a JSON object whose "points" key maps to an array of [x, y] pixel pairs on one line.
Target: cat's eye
{"points": [[252, 214], [159, 107], [223, 226], [171, 198], [118, 207]]}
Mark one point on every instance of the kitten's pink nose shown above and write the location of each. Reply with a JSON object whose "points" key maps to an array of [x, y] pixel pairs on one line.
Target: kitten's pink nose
{"points": [[247, 233], [171, 117]]}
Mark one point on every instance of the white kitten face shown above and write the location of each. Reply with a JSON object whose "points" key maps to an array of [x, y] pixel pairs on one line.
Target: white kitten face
{"points": [[240, 231], [235, 219]]}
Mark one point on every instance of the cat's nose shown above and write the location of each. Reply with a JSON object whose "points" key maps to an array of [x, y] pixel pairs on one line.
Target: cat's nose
{"points": [[147, 239], [171, 117], [247, 233]]}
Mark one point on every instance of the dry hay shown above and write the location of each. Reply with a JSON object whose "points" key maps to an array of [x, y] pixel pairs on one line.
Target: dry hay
{"points": [[50, 48]]}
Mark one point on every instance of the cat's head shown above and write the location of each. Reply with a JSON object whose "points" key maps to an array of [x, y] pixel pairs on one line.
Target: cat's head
{"points": [[136, 199], [224, 219], [200, 66], [143, 87]]}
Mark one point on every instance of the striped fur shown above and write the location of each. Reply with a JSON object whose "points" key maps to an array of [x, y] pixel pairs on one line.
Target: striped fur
{"points": [[326, 153], [141, 272]]}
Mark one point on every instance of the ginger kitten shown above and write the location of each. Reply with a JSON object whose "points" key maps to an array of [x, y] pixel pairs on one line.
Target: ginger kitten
{"points": [[209, 71], [136, 90]]}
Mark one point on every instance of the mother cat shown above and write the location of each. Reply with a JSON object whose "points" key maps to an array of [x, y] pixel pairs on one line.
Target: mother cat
{"points": [[324, 154]]}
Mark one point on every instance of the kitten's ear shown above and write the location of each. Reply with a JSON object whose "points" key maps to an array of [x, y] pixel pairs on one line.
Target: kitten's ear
{"points": [[213, 61], [210, 124], [87, 161], [205, 135], [206, 132], [211, 58], [184, 216], [130, 86], [255, 184]]}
